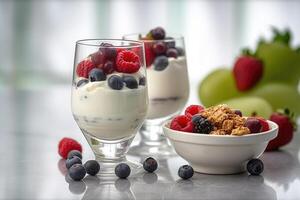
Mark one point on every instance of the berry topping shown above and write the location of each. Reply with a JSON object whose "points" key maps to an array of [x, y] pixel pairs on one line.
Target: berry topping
{"points": [[160, 63], [92, 167], [185, 172], [108, 67], [264, 124], [150, 164], [158, 33], [127, 62], [182, 123], [202, 125], [130, 82], [82, 82], [172, 52], [98, 58], [115, 82], [72, 161], [193, 110], [84, 67], [74, 153], [180, 51], [247, 72], [142, 81], [149, 54], [109, 51], [77, 172], [66, 145], [238, 112], [255, 167], [253, 125], [159, 48], [97, 74], [122, 170], [170, 42]]}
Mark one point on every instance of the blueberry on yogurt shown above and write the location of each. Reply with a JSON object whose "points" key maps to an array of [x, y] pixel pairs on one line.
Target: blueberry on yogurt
{"points": [[161, 63], [115, 82], [97, 74], [130, 82], [82, 82]]}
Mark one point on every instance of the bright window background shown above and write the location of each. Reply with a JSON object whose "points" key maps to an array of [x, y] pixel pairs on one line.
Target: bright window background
{"points": [[37, 37]]}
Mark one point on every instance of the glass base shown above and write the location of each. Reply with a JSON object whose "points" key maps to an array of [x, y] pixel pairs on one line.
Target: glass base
{"points": [[110, 153]]}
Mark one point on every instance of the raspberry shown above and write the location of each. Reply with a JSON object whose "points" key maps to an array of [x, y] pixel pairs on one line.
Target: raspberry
{"points": [[182, 123], [202, 125], [149, 54], [66, 145], [127, 62], [193, 110], [84, 67], [264, 124]]}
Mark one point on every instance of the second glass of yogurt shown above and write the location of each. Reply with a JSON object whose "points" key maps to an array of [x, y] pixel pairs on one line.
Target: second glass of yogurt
{"points": [[168, 87], [110, 97]]}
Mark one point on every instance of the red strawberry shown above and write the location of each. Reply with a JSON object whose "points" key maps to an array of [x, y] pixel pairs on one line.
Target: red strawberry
{"points": [[84, 67], [264, 124], [193, 110], [182, 123], [66, 145], [285, 132], [247, 72], [127, 62]]}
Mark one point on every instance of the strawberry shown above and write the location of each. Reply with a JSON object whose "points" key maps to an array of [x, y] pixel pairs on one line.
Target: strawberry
{"points": [[285, 132], [247, 71]]}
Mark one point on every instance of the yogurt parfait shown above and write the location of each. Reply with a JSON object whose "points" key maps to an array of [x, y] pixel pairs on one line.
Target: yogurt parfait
{"points": [[168, 84], [109, 95]]}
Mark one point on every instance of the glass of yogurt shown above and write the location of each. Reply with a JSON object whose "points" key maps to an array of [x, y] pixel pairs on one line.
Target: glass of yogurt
{"points": [[168, 87], [109, 97]]}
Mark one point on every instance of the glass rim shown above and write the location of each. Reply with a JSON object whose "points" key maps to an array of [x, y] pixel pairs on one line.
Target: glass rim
{"points": [[175, 36], [84, 42]]}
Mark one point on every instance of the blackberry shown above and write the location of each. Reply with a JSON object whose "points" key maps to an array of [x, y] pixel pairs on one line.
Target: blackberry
{"points": [[202, 125]]}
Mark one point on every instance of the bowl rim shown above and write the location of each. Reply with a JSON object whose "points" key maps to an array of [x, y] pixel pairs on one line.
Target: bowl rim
{"points": [[220, 139]]}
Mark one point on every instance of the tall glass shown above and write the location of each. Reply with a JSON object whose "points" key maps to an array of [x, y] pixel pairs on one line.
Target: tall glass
{"points": [[109, 97], [168, 89]]}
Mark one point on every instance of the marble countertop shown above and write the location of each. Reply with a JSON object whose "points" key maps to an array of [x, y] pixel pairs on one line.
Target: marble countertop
{"points": [[33, 121]]}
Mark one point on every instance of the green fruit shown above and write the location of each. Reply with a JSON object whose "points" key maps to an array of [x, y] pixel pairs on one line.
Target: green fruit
{"points": [[281, 63], [280, 96], [218, 86], [251, 106]]}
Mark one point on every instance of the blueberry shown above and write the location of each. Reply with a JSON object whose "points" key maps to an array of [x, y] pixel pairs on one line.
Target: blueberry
{"points": [[73, 153], [130, 82], [185, 172], [180, 51], [97, 74], [82, 82], [108, 67], [77, 172], [159, 48], [255, 167], [92, 167], [160, 63], [172, 52], [170, 42], [122, 170], [253, 124], [115, 82], [158, 33], [150, 164], [72, 161], [238, 112], [142, 81]]}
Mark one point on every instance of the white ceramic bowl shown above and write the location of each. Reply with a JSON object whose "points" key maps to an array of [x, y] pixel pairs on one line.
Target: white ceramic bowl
{"points": [[219, 154]]}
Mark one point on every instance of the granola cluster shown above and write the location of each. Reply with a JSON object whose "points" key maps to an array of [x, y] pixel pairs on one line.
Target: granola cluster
{"points": [[225, 121]]}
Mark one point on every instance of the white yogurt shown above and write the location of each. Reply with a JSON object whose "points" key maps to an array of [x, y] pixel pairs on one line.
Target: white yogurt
{"points": [[109, 114], [168, 89]]}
